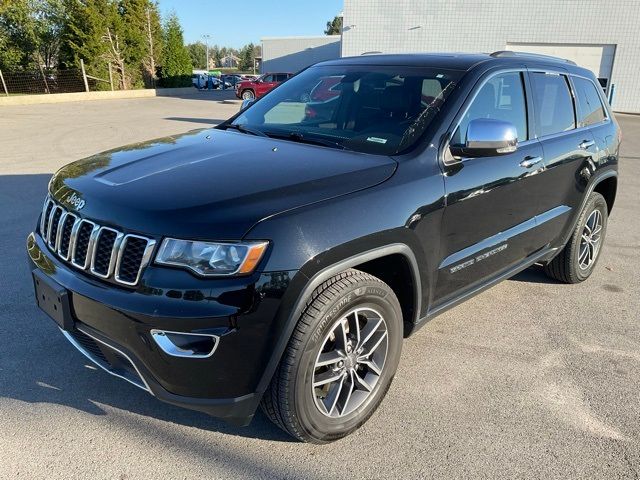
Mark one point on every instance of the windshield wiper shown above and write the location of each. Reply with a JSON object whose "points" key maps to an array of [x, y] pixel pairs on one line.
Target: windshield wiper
{"points": [[298, 137], [245, 129]]}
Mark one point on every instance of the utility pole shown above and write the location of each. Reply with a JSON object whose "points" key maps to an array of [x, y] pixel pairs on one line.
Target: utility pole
{"points": [[206, 41]]}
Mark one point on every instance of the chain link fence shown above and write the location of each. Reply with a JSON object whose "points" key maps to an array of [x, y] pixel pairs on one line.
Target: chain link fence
{"points": [[46, 81]]}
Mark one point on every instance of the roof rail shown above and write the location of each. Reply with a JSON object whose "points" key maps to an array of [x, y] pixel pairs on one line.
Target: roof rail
{"points": [[511, 53]]}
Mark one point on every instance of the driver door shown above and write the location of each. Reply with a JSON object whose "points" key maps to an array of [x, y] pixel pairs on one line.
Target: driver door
{"points": [[489, 220]]}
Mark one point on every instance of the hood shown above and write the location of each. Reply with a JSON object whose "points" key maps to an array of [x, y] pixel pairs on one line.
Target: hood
{"points": [[210, 184]]}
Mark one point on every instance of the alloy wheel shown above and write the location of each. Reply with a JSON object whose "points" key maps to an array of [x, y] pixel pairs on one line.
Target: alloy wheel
{"points": [[590, 240], [350, 362]]}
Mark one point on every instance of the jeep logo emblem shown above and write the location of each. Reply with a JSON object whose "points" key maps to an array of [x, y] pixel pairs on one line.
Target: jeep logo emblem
{"points": [[74, 201]]}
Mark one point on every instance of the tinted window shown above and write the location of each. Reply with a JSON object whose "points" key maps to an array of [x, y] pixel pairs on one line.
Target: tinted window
{"points": [[367, 108], [281, 77], [501, 98], [591, 109], [554, 106]]}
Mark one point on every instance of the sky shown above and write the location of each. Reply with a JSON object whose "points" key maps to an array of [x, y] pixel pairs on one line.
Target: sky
{"points": [[238, 22]]}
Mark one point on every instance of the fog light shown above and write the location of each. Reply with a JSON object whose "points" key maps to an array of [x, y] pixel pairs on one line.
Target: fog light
{"points": [[189, 345]]}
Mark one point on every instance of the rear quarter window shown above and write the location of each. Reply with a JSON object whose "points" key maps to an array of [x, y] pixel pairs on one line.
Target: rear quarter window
{"points": [[591, 110]]}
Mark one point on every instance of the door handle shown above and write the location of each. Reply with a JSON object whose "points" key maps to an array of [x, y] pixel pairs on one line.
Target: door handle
{"points": [[586, 144], [529, 162]]}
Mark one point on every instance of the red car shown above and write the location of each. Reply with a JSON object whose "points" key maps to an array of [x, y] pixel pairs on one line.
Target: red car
{"points": [[325, 90], [250, 89]]}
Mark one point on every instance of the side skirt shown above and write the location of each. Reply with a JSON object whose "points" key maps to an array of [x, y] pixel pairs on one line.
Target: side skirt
{"points": [[540, 256]]}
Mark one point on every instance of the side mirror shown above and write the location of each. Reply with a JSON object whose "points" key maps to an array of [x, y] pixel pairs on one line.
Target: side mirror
{"points": [[488, 137], [247, 103]]}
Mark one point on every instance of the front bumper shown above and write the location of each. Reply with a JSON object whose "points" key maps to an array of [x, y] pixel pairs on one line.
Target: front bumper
{"points": [[112, 327]]}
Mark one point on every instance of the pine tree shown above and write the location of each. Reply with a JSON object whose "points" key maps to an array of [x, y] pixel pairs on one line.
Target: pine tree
{"points": [[153, 30], [133, 15], [142, 37], [334, 27], [83, 36], [247, 56], [114, 36], [176, 68]]}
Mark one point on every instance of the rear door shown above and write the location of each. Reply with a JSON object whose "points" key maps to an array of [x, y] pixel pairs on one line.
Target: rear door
{"points": [[593, 115], [567, 147], [489, 220], [267, 83]]}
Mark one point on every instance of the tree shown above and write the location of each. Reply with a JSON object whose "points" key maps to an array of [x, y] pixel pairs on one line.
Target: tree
{"points": [[142, 36], [115, 37], [125, 34], [30, 33], [17, 35], [197, 54], [216, 55], [247, 55], [334, 27], [153, 30], [176, 68], [85, 35], [49, 21], [132, 14]]}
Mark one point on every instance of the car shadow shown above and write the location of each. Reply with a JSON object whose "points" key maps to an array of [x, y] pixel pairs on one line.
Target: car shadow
{"points": [[38, 365], [227, 96], [209, 121], [534, 274]]}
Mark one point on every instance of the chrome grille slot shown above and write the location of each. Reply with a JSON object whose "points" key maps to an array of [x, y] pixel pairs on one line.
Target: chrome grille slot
{"points": [[80, 257], [134, 252], [102, 251], [54, 224], [65, 235], [44, 222], [105, 251]]}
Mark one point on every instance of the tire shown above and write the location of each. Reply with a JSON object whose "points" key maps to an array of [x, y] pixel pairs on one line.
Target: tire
{"points": [[570, 265], [248, 95], [294, 402]]}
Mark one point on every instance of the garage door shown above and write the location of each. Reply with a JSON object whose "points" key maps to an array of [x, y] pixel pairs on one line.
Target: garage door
{"points": [[597, 58]]}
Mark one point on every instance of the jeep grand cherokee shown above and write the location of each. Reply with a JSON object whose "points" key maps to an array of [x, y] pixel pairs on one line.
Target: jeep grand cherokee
{"points": [[279, 259]]}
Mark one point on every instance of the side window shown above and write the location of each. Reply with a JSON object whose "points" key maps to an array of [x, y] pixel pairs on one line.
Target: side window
{"points": [[501, 98], [591, 109], [268, 78], [554, 107], [281, 77]]}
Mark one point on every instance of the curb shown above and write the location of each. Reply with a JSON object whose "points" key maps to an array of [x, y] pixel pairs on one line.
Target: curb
{"points": [[120, 94]]}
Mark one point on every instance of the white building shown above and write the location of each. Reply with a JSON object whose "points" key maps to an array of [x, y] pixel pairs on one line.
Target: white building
{"points": [[597, 34], [292, 54]]}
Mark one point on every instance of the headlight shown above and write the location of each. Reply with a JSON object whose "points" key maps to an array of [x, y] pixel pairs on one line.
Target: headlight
{"points": [[211, 259]]}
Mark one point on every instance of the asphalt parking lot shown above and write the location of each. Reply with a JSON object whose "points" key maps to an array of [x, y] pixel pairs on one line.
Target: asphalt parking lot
{"points": [[531, 379]]}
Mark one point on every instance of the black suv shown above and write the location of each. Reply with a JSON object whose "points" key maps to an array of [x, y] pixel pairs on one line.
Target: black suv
{"points": [[280, 258]]}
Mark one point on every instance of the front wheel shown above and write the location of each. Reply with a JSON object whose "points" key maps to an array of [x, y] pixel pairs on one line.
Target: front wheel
{"points": [[576, 261], [248, 95], [340, 360]]}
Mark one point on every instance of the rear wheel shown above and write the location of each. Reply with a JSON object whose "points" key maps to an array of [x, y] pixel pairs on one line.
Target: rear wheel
{"points": [[340, 360], [248, 95], [579, 257]]}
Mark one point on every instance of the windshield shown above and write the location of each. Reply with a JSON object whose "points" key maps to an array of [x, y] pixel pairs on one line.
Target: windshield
{"points": [[373, 109]]}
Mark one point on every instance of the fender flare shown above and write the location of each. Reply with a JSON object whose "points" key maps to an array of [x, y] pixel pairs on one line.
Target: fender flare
{"points": [[589, 190], [323, 275]]}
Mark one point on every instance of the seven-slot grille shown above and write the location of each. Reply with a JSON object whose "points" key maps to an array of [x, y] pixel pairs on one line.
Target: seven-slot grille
{"points": [[99, 250]]}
